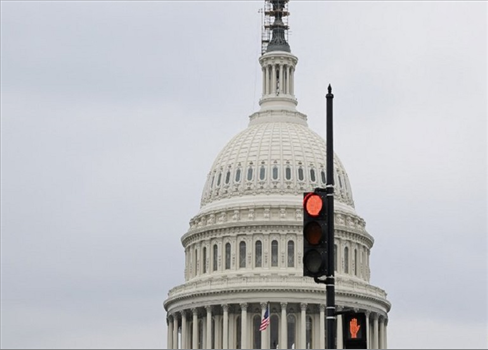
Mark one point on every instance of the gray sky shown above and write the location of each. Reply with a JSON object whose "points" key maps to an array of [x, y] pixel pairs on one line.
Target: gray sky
{"points": [[113, 112]]}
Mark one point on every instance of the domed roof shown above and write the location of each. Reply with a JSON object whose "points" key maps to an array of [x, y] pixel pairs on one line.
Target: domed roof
{"points": [[277, 154]]}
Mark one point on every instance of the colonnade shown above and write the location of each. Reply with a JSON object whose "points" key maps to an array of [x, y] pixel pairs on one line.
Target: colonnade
{"points": [[278, 78], [236, 326]]}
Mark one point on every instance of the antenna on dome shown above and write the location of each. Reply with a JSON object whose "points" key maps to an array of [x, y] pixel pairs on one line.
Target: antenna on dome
{"points": [[274, 30]]}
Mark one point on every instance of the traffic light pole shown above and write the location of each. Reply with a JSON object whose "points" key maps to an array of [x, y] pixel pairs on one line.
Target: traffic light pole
{"points": [[330, 280]]}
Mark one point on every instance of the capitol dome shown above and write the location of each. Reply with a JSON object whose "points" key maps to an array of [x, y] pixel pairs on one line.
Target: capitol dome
{"points": [[276, 155], [243, 249]]}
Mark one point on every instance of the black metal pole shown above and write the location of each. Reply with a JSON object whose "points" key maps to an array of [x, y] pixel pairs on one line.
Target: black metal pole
{"points": [[330, 281]]}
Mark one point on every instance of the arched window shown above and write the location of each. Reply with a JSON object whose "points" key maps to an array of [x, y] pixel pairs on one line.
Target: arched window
{"points": [[322, 175], [249, 173], [238, 175], [204, 262], [291, 254], [256, 323], [274, 331], [258, 254], [308, 331], [340, 181], [242, 254], [346, 260], [238, 332], [213, 178], [291, 332], [262, 172], [195, 266], [227, 177], [312, 175], [335, 257], [219, 179], [300, 174], [275, 172], [227, 256], [215, 253], [355, 262], [274, 253], [288, 173]]}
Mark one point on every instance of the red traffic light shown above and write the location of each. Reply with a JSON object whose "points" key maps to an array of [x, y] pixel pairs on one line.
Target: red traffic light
{"points": [[314, 234], [312, 203]]}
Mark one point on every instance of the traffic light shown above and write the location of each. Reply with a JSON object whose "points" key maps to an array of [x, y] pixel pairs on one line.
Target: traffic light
{"points": [[314, 234], [354, 334]]}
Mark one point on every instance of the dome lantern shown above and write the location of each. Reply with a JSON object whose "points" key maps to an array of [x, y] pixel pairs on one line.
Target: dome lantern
{"points": [[277, 62]]}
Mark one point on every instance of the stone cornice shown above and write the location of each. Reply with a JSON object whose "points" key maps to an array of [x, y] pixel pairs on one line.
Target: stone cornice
{"points": [[278, 57], [371, 302], [280, 218], [219, 287]]}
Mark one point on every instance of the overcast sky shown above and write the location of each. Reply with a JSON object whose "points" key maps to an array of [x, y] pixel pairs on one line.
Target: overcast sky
{"points": [[113, 112]]}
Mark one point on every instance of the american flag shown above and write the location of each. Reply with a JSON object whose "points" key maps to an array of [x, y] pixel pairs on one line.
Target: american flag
{"points": [[265, 321]]}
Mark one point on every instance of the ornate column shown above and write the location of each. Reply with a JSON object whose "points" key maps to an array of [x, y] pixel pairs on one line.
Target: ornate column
{"points": [[195, 328], [244, 335], [375, 331], [288, 75], [322, 327], [339, 339], [380, 331], [286, 79], [209, 327], [175, 331], [225, 327], [266, 91], [273, 79], [368, 331], [264, 334], [284, 328], [170, 332], [218, 332], [303, 323], [292, 81], [183, 330], [281, 79], [385, 342], [263, 70]]}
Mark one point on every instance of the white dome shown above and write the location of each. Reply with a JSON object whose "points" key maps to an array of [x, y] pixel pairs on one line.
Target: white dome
{"points": [[276, 155]]}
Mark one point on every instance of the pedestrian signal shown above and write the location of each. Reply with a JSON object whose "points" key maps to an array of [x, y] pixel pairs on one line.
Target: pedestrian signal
{"points": [[354, 330]]}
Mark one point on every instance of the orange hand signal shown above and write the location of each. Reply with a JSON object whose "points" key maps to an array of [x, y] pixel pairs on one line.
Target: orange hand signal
{"points": [[354, 328]]}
